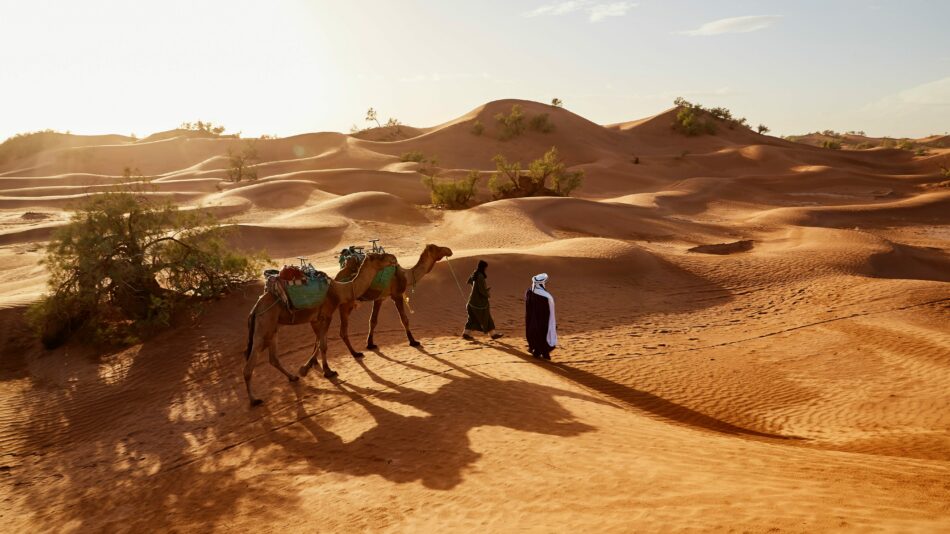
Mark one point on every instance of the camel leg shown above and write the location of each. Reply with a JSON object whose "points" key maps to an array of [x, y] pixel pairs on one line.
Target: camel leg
{"points": [[305, 368], [256, 347], [373, 319], [324, 326], [401, 307], [272, 349], [345, 327]]}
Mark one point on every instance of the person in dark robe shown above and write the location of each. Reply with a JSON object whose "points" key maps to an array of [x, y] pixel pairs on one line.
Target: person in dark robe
{"points": [[479, 310], [540, 325]]}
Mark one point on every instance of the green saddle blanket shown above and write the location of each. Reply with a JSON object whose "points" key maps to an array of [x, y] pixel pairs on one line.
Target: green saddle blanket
{"points": [[383, 278], [308, 295]]}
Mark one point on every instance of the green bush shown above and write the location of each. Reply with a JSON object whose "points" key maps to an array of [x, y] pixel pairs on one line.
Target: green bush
{"points": [[762, 129], [511, 125], [556, 102], [905, 144], [547, 176], [694, 119], [452, 194], [203, 127], [833, 145], [125, 263], [864, 146], [478, 128], [921, 151], [541, 123], [413, 155]]}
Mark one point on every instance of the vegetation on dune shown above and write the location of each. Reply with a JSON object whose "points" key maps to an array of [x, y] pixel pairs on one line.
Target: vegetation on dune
{"points": [[240, 164], [452, 194], [127, 262], [413, 155], [477, 128], [694, 119], [556, 102], [547, 176], [515, 123], [203, 127], [762, 129], [26, 144], [832, 144]]}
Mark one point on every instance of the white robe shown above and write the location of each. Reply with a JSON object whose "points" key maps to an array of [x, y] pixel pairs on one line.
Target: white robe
{"points": [[538, 289]]}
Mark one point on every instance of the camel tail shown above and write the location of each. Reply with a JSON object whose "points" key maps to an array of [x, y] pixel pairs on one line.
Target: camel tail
{"points": [[251, 323]]}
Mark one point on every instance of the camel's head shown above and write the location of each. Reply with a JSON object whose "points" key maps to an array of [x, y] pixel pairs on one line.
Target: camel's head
{"points": [[436, 252], [379, 261]]}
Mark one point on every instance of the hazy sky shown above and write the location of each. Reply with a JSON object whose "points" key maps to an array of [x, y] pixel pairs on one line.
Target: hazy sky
{"points": [[291, 66]]}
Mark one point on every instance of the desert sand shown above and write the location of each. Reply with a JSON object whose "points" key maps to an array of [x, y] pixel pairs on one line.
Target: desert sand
{"points": [[797, 381]]}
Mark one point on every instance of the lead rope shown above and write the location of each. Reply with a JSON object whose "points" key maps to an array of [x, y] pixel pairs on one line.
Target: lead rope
{"points": [[461, 293]]}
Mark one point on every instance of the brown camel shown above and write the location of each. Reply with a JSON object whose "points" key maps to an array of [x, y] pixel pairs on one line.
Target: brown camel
{"points": [[268, 314], [402, 280]]}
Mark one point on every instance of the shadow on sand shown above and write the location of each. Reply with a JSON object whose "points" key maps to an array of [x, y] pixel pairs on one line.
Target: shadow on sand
{"points": [[640, 400]]}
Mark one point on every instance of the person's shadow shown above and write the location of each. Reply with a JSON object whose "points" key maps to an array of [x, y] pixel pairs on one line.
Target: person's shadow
{"points": [[640, 400]]}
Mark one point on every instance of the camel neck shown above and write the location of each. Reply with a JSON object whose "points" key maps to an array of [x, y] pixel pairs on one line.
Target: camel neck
{"points": [[420, 269]]}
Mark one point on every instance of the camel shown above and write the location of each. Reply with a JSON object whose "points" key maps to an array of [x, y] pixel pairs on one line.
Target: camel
{"points": [[263, 325], [403, 280]]}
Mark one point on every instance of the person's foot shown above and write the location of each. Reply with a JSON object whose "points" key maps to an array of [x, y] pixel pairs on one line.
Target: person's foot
{"points": [[467, 337], [546, 356], [496, 336], [536, 355]]}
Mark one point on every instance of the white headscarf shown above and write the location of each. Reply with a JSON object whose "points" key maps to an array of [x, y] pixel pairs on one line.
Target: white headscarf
{"points": [[537, 287]]}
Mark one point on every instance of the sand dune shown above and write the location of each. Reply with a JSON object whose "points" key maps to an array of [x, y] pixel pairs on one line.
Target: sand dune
{"points": [[754, 336]]}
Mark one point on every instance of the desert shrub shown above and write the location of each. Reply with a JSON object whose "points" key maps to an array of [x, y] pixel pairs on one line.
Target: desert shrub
{"points": [[833, 145], [240, 164], [478, 128], [905, 144], [864, 146], [26, 144], [762, 129], [413, 155], [452, 194], [888, 143], [556, 102], [511, 125], [689, 121], [921, 151], [203, 127], [541, 123], [694, 119], [125, 263], [945, 171], [547, 176]]}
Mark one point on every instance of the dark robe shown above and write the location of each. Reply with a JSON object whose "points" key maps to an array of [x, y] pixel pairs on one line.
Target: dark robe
{"points": [[536, 315], [479, 312]]}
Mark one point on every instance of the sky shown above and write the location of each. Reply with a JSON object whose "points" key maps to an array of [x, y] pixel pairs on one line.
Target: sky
{"points": [[282, 67]]}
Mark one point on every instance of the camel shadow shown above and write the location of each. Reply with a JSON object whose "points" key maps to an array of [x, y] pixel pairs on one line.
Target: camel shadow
{"points": [[641, 400], [421, 435]]}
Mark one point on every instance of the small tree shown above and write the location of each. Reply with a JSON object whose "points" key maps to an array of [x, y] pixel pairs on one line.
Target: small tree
{"points": [[371, 116], [478, 128], [762, 129], [512, 125], [452, 194], [126, 262], [240, 164], [556, 102], [551, 166]]}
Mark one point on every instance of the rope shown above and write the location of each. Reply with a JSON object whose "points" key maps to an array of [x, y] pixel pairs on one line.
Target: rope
{"points": [[461, 293]]}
